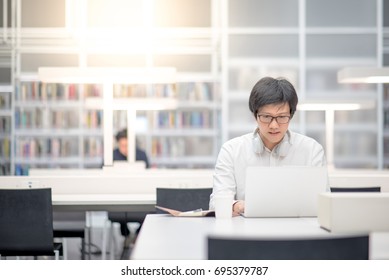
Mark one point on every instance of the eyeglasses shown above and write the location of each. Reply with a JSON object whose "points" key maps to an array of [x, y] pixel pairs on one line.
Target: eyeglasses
{"points": [[268, 119]]}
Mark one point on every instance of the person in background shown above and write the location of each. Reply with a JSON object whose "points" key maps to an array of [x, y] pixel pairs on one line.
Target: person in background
{"points": [[120, 154], [273, 103]]}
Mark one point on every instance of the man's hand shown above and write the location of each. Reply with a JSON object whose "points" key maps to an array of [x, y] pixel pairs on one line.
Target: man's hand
{"points": [[238, 208]]}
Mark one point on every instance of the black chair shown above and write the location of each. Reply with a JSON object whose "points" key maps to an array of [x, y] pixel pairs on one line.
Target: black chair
{"points": [[183, 199], [123, 218], [71, 225], [339, 248], [356, 189], [26, 223]]}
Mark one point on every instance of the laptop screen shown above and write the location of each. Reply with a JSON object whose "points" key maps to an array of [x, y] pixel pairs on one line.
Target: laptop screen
{"points": [[284, 191]]}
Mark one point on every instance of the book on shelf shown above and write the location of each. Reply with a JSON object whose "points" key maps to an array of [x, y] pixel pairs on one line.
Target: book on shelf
{"points": [[193, 213], [38, 91], [92, 90], [386, 93], [386, 119], [181, 146], [182, 119], [93, 119], [21, 170], [5, 101], [5, 149], [93, 147], [143, 91], [194, 91], [38, 147], [43, 118], [172, 147], [5, 169], [5, 124]]}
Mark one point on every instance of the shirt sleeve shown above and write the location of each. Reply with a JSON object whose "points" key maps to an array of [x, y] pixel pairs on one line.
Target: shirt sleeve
{"points": [[318, 156], [223, 177]]}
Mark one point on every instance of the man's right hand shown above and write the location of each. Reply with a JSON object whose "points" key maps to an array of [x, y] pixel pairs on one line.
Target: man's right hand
{"points": [[238, 208]]}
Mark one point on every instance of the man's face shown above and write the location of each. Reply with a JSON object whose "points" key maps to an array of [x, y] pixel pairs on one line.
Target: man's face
{"points": [[122, 146], [272, 133]]}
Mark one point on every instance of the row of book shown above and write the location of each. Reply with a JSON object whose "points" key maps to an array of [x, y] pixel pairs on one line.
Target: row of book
{"points": [[5, 101], [386, 118], [38, 91], [144, 90], [5, 169], [5, 148], [5, 124], [49, 147], [54, 147], [92, 90], [189, 91], [386, 146], [93, 119], [182, 119], [93, 147], [41, 118], [196, 92], [181, 146], [167, 119], [21, 170], [386, 92]]}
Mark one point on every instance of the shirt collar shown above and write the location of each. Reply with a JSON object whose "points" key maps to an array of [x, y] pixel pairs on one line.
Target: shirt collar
{"points": [[281, 149]]}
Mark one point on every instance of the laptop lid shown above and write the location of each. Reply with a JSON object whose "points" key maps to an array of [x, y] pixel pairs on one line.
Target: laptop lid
{"points": [[283, 191]]}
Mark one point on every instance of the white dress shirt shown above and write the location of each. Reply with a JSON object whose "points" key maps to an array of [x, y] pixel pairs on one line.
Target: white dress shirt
{"points": [[240, 152]]}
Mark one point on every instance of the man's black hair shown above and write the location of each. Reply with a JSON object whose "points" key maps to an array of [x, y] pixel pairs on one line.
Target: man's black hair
{"points": [[272, 91], [121, 134]]}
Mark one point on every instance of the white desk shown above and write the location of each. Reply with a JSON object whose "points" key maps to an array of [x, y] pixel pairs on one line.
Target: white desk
{"points": [[104, 202], [166, 237]]}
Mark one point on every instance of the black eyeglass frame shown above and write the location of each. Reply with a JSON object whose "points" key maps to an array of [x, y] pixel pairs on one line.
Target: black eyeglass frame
{"points": [[277, 118]]}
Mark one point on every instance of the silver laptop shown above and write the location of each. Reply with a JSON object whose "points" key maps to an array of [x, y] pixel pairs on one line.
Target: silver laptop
{"points": [[284, 191]]}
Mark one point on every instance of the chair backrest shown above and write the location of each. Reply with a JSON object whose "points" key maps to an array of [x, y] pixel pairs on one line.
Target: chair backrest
{"points": [[345, 248], [184, 199], [356, 189], [26, 222]]}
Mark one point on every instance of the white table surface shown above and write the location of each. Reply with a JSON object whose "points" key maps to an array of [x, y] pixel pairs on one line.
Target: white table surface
{"points": [[104, 202], [167, 237]]}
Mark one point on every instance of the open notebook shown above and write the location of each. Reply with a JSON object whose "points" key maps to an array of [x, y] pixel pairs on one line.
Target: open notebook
{"points": [[193, 213]]}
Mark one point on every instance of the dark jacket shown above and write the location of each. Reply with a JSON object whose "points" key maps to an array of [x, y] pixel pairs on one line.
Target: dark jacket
{"points": [[140, 155]]}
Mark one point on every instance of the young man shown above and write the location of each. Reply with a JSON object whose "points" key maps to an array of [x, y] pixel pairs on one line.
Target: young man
{"points": [[121, 152], [273, 103]]}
